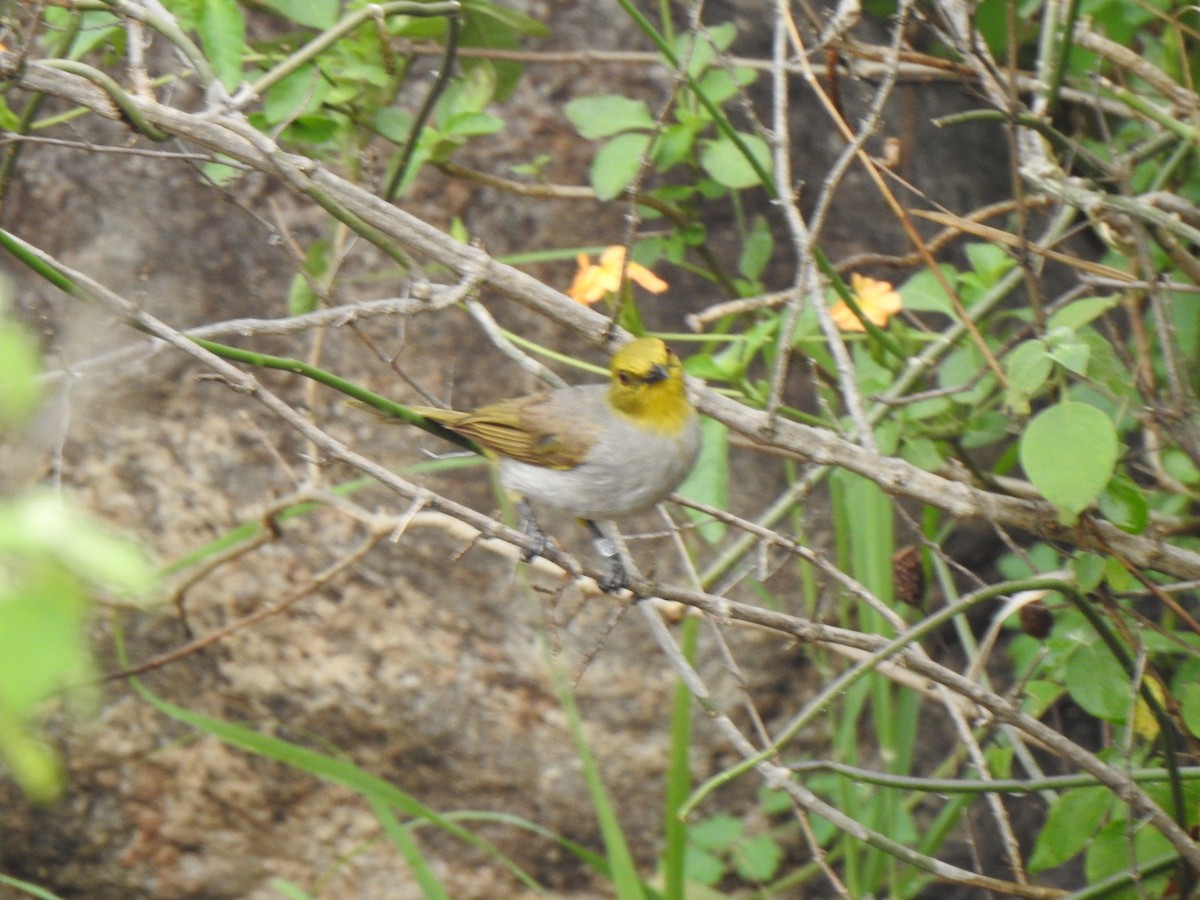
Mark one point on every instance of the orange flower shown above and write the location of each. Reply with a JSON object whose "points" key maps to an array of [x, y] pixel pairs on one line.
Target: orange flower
{"points": [[593, 282], [877, 301]]}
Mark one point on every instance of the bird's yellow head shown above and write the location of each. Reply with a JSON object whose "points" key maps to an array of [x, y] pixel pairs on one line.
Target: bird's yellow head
{"points": [[647, 386]]}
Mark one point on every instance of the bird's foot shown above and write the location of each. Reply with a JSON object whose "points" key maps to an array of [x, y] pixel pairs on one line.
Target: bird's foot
{"points": [[617, 578], [531, 529]]}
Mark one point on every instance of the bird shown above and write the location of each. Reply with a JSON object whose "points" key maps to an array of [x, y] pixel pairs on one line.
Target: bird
{"points": [[599, 452]]}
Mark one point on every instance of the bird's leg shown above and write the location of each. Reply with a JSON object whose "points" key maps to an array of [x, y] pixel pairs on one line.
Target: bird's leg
{"points": [[617, 577], [530, 527]]}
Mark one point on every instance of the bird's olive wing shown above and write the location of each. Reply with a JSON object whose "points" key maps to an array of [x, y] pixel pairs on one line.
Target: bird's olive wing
{"points": [[540, 430]]}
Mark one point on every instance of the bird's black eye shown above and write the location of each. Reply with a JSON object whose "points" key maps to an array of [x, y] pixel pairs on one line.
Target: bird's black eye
{"points": [[625, 377]]}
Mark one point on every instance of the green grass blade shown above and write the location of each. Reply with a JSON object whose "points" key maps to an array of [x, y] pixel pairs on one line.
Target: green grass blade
{"points": [[289, 890], [403, 841], [625, 878], [340, 771], [31, 889]]}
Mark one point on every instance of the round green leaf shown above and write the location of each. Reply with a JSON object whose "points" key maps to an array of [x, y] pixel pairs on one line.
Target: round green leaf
{"points": [[1072, 821], [1098, 683], [608, 114], [301, 91], [757, 859], [617, 164], [1124, 504], [1072, 355], [1069, 451], [725, 162], [1027, 367], [924, 292], [1080, 312], [1110, 853]]}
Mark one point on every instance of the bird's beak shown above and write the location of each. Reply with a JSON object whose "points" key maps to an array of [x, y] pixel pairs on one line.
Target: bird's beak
{"points": [[657, 374]]}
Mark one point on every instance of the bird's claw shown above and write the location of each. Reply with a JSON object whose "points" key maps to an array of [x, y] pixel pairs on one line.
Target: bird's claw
{"points": [[531, 529], [541, 543], [617, 578]]}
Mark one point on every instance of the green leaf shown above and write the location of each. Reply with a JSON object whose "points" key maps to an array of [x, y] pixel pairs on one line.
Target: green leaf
{"points": [[986, 426], [1098, 683], [923, 453], [1110, 854], [9, 120], [757, 858], [320, 14], [1040, 695], [965, 368], [608, 114], [394, 124], [96, 28], [756, 249], [533, 168], [1027, 367], [708, 482], [220, 173], [222, 31], [42, 614], [481, 31], [301, 297], [40, 524], [32, 763], [1089, 570], [924, 293], [1179, 466], [930, 408], [1073, 819], [1072, 355], [989, 262], [471, 92], [719, 85], [1119, 578], [354, 74], [20, 392], [617, 164], [697, 51], [1124, 504], [1189, 707], [313, 129], [506, 19], [301, 91], [1106, 367], [470, 124], [999, 761], [701, 867], [724, 161], [673, 146], [1069, 451], [717, 832], [1080, 312]]}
